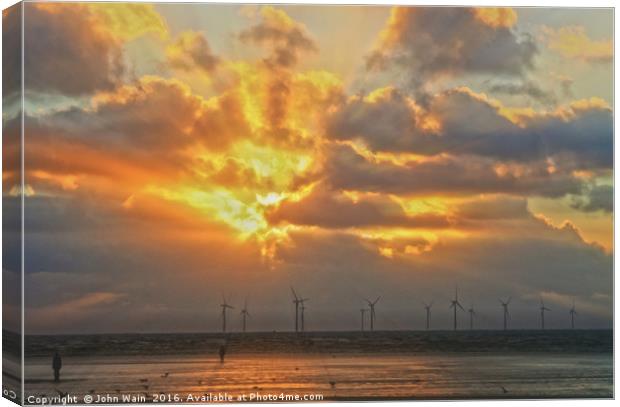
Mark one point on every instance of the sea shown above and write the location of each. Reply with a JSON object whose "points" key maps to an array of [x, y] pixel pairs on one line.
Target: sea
{"points": [[316, 366]]}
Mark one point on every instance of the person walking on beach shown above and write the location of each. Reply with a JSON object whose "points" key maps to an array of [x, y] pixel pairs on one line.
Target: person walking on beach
{"points": [[222, 353], [56, 365]]}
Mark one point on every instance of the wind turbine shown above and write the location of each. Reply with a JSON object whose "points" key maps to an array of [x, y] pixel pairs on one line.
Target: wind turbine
{"points": [[224, 306], [472, 313], [363, 312], [506, 313], [572, 316], [455, 303], [245, 313], [542, 313], [303, 308], [372, 304], [296, 301], [428, 314]]}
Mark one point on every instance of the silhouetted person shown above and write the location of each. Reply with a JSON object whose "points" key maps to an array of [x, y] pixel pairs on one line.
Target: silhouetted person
{"points": [[56, 365], [222, 353]]}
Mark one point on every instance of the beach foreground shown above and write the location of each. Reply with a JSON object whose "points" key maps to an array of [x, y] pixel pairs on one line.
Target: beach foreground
{"points": [[319, 366], [331, 377]]}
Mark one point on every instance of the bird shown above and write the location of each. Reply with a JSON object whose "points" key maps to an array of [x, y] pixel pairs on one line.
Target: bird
{"points": [[504, 390], [332, 383], [60, 393], [165, 375], [144, 380]]}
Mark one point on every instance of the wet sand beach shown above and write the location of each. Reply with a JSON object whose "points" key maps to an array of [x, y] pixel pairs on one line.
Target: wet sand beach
{"points": [[327, 366]]}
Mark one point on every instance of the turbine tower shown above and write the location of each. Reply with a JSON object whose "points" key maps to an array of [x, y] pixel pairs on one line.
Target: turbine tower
{"points": [[296, 301], [363, 312], [245, 313], [472, 313], [428, 314], [372, 304], [224, 306], [455, 303], [572, 316], [542, 313], [506, 313]]}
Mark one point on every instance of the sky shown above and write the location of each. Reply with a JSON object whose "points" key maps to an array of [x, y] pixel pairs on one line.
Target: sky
{"points": [[179, 153]]}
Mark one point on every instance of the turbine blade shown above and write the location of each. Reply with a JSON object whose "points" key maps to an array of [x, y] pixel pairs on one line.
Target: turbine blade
{"points": [[294, 293]]}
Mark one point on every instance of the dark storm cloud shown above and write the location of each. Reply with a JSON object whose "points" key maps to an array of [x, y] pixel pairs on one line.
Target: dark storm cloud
{"points": [[66, 51], [348, 170], [428, 42], [472, 124], [597, 198]]}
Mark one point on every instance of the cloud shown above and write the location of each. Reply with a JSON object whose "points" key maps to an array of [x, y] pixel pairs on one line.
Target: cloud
{"points": [[333, 210], [530, 257], [128, 21], [285, 38], [68, 51], [430, 42], [190, 51], [525, 88], [386, 120], [493, 208], [150, 118], [348, 170], [597, 198], [462, 122], [573, 42], [484, 267], [77, 49]]}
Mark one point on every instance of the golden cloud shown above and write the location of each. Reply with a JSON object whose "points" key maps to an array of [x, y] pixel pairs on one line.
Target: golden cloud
{"points": [[573, 42]]}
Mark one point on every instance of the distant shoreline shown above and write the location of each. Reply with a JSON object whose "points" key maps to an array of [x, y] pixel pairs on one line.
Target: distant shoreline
{"points": [[379, 342]]}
